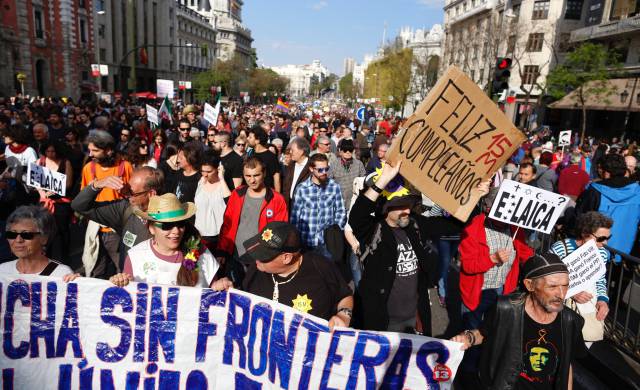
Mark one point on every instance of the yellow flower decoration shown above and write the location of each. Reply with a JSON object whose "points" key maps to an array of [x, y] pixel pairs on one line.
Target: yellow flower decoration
{"points": [[190, 256], [266, 235], [302, 303]]}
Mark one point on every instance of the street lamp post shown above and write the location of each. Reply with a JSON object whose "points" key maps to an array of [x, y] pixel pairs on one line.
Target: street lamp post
{"points": [[100, 12], [623, 98]]}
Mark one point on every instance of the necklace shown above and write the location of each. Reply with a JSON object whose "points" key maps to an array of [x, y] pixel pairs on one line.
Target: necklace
{"points": [[276, 290]]}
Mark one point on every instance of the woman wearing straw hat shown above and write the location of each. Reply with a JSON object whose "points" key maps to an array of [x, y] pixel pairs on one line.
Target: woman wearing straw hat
{"points": [[174, 255]]}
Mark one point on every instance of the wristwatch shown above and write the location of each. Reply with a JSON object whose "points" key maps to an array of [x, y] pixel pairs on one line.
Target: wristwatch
{"points": [[376, 188], [346, 311]]}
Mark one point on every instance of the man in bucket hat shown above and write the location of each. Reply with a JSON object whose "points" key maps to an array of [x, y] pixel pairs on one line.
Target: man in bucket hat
{"points": [[278, 270], [529, 339]]}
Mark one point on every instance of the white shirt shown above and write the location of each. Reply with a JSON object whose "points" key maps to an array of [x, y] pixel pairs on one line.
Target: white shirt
{"points": [[297, 170], [210, 208], [11, 268], [28, 156]]}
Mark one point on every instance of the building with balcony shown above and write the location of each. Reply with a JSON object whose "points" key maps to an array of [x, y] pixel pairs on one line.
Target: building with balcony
{"points": [[196, 45], [533, 33], [50, 43], [135, 39], [301, 76], [232, 37]]}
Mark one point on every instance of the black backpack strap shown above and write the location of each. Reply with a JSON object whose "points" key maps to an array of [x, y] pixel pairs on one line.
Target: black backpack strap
{"points": [[48, 270]]}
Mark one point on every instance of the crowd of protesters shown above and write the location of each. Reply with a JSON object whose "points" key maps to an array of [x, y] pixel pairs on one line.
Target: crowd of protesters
{"points": [[302, 207]]}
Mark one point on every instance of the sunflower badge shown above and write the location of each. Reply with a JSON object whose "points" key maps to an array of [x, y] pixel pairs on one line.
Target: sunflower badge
{"points": [[266, 235]]}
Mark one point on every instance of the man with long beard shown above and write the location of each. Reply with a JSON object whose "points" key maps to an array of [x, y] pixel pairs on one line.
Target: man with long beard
{"points": [[104, 163]]}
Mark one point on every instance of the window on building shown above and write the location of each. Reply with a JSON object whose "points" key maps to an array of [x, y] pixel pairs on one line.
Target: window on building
{"points": [[38, 23], [530, 74], [511, 44], [103, 54], [101, 30], [540, 9], [83, 31], [535, 42], [473, 74], [574, 9]]}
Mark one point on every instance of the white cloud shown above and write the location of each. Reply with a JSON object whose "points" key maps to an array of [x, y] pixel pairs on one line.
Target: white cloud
{"points": [[432, 3], [319, 5]]}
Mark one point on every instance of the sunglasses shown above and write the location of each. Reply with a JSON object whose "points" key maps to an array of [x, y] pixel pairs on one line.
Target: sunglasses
{"points": [[602, 238], [166, 226], [127, 193], [211, 135], [181, 129], [322, 170], [347, 150], [240, 144], [11, 235], [144, 146]]}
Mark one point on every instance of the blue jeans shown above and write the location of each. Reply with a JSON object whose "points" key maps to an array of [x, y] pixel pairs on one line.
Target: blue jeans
{"points": [[321, 250], [356, 272], [472, 319], [447, 250]]}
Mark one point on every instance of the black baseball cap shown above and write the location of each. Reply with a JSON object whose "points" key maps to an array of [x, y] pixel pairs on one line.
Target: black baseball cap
{"points": [[274, 239]]}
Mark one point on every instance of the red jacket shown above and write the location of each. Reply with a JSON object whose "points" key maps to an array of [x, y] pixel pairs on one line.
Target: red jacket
{"points": [[474, 261], [274, 208]]}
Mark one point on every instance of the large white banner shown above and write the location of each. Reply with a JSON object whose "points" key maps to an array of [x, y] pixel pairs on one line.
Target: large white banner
{"points": [[164, 88], [45, 179], [527, 206], [90, 334]]}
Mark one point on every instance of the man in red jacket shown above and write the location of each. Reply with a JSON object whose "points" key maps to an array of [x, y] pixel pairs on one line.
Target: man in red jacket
{"points": [[249, 209], [489, 265]]}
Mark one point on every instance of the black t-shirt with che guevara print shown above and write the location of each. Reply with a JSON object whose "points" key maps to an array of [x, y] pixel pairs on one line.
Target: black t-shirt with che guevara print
{"points": [[540, 354]]}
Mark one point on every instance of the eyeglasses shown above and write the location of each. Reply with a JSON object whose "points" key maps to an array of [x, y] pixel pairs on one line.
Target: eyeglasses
{"points": [[127, 193], [322, 170], [166, 226], [325, 144], [144, 146], [243, 145], [211, 135], [181, 129], [11, 235], [601, 238]]}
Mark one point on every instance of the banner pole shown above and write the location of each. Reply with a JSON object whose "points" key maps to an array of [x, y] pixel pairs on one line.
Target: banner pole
{"points": [[516, 232]]}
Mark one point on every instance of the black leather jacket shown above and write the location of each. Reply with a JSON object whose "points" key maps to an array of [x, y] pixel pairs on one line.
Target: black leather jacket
{"points": [[501, 359]]}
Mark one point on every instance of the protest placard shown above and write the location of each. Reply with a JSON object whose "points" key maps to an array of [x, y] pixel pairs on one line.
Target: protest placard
{"points": [[59, 335], [586, 266], [527, 206], [164, 88], [211, 113], [45, 179], [456, 138], [152, 114], [564, 139]]}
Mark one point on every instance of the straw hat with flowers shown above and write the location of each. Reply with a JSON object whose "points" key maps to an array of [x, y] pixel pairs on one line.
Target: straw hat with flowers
{"points": [[166, 208]]}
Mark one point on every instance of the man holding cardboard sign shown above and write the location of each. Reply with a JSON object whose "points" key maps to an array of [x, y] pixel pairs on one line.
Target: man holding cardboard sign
{"points": [[456, 139]]}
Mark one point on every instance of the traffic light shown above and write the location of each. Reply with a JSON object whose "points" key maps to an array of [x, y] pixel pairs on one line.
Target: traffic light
{"points": [[501, 75]]}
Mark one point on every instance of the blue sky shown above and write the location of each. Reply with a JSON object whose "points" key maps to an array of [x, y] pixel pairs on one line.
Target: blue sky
{"points": [[297, 32]]}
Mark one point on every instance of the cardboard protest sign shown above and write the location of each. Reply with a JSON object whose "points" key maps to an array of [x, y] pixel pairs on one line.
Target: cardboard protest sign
{"points": [[456, 138], [586, 266], [527, 206], [152, 114], [45, 179], [564, 139], [211, 113], [90, 334]]}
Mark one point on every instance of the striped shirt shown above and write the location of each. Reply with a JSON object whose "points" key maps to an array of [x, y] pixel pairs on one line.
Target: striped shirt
{"points": [[498, 239], [559, 249]]}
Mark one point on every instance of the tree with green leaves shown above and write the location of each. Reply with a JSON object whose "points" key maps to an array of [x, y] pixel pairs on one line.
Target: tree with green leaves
{"points": [[346, 87], [389, 77], [263, 80], [585, 71], [229, 75]]}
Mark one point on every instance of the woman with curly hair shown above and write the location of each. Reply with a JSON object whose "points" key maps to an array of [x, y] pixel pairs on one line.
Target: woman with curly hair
{"points": [[138, 154]]}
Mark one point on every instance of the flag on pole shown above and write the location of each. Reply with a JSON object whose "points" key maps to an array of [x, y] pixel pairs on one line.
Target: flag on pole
{"points": [[165, 112], [281, 105]]}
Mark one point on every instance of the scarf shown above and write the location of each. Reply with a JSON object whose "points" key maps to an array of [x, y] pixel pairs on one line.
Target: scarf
{"points": [[18, 149]]}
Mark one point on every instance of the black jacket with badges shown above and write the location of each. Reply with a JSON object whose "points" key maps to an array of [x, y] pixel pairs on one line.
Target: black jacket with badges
{"points": [[380, 262], [501, 359]]}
